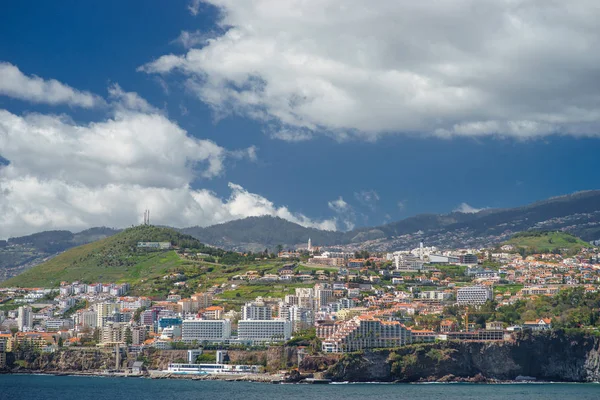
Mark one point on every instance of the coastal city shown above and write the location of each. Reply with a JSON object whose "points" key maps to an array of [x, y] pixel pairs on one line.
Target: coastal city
{"points": [[331, 302]]}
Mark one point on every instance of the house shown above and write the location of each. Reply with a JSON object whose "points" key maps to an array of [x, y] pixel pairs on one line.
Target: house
{"points": [[137, 368], [541, 324], [448, 325]]}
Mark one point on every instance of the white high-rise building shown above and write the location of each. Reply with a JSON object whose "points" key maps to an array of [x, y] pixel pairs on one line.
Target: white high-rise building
{"points": [[473, 295], [25, 318], [301, 318], [205, 329], [265, 331], [323, 295], [257, 310], [104, 310], [306, 297]]}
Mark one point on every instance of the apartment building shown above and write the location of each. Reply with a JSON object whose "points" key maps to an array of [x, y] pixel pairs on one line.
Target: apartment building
{"points": [[366, 332], [103, 311], [435, 295], [86, 318], [473, 295], [257, 310], [265, 330], [202, 329], [25, 318]]}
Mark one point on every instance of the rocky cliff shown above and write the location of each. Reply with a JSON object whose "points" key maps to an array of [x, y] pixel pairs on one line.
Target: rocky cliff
{"points": [[548, 356], [91, 360], [551, 356]]}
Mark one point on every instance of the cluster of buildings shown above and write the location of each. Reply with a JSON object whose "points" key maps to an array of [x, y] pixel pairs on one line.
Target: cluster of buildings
{"points": [[353, 304]]}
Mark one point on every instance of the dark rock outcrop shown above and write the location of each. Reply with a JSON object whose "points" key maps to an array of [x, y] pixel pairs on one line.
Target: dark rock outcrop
{"points": [[549, 356]]}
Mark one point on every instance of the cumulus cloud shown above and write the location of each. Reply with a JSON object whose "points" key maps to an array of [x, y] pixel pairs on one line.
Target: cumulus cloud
{"points": [[339, 205], [59, 174], [467, 209], [31, 204], [362, 69], [63, 175], [15, 84], [345, 212]]}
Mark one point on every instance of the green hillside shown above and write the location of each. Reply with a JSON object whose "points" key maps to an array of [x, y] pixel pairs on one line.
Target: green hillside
{"points": [[531, 242], [113, 259]]}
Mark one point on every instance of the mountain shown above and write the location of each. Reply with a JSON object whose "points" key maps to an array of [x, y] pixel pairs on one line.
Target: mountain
{"points": [[18, 254], [116, 258], [577, 214], [256, 233]]}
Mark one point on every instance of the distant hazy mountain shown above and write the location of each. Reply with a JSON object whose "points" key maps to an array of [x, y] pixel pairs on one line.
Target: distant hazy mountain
{"points": [[578, 214]]}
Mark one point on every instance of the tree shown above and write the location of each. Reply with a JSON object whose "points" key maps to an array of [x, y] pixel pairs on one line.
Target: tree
{"points": [[128, 336], [279, 248], [60, 341], [96, 335]]}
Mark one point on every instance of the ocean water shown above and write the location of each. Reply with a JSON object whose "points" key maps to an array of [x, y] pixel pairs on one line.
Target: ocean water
{"points": [[17, 387]]}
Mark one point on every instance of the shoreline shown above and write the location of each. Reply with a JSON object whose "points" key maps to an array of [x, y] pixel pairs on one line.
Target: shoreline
{"points": [[279, 378]]}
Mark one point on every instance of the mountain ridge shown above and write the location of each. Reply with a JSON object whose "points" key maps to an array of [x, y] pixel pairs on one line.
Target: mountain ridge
{"points": [[577, 213]]}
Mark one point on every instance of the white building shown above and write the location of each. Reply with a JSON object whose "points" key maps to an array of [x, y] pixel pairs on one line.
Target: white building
{"points": [[323, 295], [265, 331], [104, 310], [435, 295], [407, 263], [257, 310], [86, 318], [55, 324], [473, 295], [203, 329], [25, 318], [365, 332], [301, 318]]}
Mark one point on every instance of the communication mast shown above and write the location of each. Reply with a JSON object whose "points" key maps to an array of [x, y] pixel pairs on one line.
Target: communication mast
{"points": [[146, 217]]}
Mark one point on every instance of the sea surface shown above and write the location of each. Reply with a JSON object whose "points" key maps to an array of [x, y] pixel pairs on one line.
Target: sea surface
{"points": [[42, 387]]}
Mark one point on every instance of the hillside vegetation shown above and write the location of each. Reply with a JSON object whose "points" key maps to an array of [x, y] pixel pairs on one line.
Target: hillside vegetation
{"points": [[113, 259], [547, 242]]}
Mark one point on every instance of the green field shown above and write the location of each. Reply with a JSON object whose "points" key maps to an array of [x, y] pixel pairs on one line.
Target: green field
{"points": [[154, 273], [547, 242], [114, 259]]}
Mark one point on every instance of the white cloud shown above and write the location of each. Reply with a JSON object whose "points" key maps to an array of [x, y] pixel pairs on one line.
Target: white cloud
{"points": [[194, 7], [338, 205], [401, 205], [367, 198], [359, 68], [291, 135], [189, 39], [467, 209], [63, 175], [345, 212], [31, 204], [67, 175], [15, 84], [130, 100]]}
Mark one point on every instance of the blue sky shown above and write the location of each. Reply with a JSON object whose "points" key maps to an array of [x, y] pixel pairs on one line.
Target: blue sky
{"points": [[318, 112]]}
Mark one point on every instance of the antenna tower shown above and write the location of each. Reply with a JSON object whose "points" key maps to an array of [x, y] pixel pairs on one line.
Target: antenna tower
{"points": [[146, 217]]}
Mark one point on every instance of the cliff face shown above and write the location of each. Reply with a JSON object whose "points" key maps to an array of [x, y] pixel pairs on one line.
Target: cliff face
{"points": [[551, 356], [91, 360]]}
